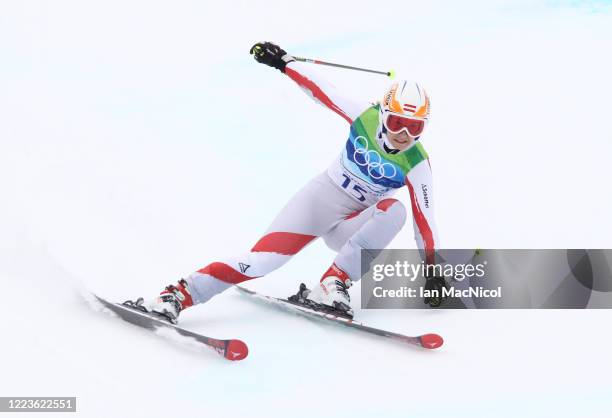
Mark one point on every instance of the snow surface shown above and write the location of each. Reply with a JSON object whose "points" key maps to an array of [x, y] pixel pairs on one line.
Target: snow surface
{"points": [[139, 141]]}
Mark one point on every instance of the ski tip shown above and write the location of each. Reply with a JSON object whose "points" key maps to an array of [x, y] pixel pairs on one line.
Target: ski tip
{"points": [[236, 350], [431, 341]]}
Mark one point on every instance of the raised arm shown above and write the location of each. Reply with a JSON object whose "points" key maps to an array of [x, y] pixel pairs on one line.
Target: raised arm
{"points": [[323, 92], [306, 76]]}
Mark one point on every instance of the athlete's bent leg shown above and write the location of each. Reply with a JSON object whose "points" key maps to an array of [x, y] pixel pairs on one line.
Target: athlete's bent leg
{"points": [[310, 213], [371, 230]]}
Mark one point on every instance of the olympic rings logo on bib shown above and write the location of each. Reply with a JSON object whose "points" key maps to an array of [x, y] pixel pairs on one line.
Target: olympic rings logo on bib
{"points": [[373, 160]]}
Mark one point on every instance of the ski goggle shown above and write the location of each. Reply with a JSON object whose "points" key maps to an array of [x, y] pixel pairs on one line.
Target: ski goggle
{"points": [[396, 123]]}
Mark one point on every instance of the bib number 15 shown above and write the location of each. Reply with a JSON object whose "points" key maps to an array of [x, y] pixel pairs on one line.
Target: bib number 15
{"points": [[356, 190]]}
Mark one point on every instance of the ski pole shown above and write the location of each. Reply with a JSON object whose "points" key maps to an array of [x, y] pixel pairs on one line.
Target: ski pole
{"points": [[390, 74]]}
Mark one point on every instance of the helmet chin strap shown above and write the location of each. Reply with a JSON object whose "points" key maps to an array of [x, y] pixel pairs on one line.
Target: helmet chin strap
{"points": [[384, 142]]}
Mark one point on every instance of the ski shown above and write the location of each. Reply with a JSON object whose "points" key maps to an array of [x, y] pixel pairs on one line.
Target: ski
{"points": [[230, 349], [428, 341]]}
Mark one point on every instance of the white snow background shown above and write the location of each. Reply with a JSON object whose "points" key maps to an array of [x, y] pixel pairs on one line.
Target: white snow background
{"points": [[140, 141]]}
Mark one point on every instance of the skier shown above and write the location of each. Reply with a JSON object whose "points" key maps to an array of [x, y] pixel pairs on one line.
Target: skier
{"points": [[348, 205]]}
